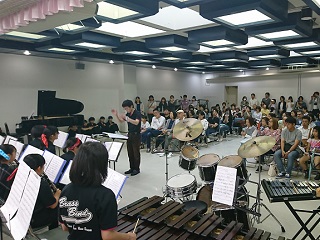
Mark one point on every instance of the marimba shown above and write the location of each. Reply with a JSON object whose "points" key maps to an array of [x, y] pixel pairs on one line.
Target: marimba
{"points": [[169, 221]]}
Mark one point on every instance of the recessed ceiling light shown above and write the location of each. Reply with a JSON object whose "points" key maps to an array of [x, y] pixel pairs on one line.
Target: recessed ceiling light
{"points": [[176, 69], [279, 35], [270, 56], [112, 11], [300, 45], [197, 63], [137, 53], [25, 35], [217, 43], [26, 52], [143, 61], [203, 72], [154, 67], [204, 49], [111, 62], [69, 27], [254, 42], [90, 45], [128, 29], [298, 64], [267, 69], [243, 19], [171, 58], [55, 49], [173, 49], [294, 54], [311, 52], [241, 70], [252, 58]]}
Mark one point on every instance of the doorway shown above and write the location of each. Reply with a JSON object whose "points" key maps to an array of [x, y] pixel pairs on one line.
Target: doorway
{"points": [[231, 95]]}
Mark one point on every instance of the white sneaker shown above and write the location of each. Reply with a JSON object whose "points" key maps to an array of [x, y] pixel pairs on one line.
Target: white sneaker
{"points": [[161, 154], [170, 155], [208, 140]]}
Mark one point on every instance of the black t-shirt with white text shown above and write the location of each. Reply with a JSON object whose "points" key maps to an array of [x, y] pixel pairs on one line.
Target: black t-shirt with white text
{"points": [[85, 211], [131, 127]]}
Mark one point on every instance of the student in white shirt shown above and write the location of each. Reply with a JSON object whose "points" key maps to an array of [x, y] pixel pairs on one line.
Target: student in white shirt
{"points": [[145, 125], [253, 100]]}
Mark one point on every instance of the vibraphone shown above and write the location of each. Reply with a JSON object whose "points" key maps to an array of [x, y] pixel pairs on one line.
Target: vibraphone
{"points": [[288, 190], [169, 221]]}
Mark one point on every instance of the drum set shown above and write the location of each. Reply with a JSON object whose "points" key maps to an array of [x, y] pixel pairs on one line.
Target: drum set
{"points": [[184, 186]]}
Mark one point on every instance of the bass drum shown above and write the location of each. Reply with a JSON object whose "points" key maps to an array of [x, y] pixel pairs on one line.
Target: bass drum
{"points": [[228, 213]]}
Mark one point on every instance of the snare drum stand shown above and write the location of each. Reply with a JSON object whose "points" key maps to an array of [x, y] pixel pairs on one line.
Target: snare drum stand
{"points": [[258, 204]]}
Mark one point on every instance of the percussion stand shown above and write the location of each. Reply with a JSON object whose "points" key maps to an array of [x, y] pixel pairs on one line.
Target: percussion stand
{"points": [[258, 204]]}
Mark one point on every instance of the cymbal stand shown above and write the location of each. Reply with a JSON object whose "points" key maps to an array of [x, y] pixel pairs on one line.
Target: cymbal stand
{"points": [[258, 204]]}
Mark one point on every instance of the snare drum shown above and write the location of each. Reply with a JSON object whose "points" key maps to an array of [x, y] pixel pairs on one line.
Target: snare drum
{"points": [[188, 158], [207, 165], [181, 185], [235, 161]]}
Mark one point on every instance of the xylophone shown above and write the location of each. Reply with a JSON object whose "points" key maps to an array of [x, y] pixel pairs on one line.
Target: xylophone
{"points": [[289, 190], [170, 221]]}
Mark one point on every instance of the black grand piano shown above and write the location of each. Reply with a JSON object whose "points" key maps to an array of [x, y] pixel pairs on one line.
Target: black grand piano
{"points": [[53, 111]]}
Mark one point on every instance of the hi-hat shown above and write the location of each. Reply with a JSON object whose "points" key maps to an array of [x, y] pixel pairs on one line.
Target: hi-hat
{"points": [[187, 129], [256, 146]]}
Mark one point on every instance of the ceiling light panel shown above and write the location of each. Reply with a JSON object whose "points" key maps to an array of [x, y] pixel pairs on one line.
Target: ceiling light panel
{"points": [[26, 35], [183, 18], [109, 10], [300, 45], [254, 42], [128, 29], [279, 35], [246, 12], [70, 27]]}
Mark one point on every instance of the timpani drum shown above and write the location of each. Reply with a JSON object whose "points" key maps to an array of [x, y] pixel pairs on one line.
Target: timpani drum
{"points": [[188, 158], [207, 166]]}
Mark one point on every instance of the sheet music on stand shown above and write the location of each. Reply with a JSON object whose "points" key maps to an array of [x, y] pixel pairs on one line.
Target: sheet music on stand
{"points": [[115, 181], [89, 139], [65, 179], [53, 166], [116, 136], [224, 185], [6, 141], [2, 139], [20, 204], [62, 138], [114, 149], [18, 145], [30, 150], [82, 137]]}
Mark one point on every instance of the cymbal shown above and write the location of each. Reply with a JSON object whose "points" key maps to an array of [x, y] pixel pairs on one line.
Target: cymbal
{"points": [[256, 146], [187, 129]]}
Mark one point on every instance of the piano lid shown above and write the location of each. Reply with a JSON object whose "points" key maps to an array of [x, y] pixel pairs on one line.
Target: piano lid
{"points": [[49, 105]]}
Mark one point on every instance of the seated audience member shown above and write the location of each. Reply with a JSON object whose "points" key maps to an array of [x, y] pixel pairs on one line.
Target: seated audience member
{"points": [[312, 120], [157, 125], [227, 120], [162, 105], [264, 110], [36, 133], [194, 102], [271, 115], [46, 209], [85, 198], [72, 131], [166, 114], [138, 105], [244, 103], [273, 106], [172, 104], [290, 104], [144, 126], [180, 116], [205, 124], [250, 130], [247, 112], [273, 131], [299, 117], [213, 123], [49, 135], [257, 115], [315, 103], [312, 147], [185, 103], [266, 100], [305, 111], [111, 125], [264, 124], [300, 103], [282, 106], [191, 114], [233, 109], [305, 130], [290, 140], [253, 101], [102, 125], [150, 107], [293, 113], [167, 133], [7, 156]]}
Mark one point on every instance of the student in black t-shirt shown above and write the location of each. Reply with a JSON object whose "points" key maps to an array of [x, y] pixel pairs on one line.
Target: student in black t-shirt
{"points": [[49, 135], [72, 131], [214, 122], [36, 133], [102, 125], [46, 209], [88, 210], [112, 126], [133, 118], [7, 156], [70, 149], [94, 127]]}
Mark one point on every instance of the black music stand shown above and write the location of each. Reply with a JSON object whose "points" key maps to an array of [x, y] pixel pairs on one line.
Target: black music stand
{"points": [[258, 204]]}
